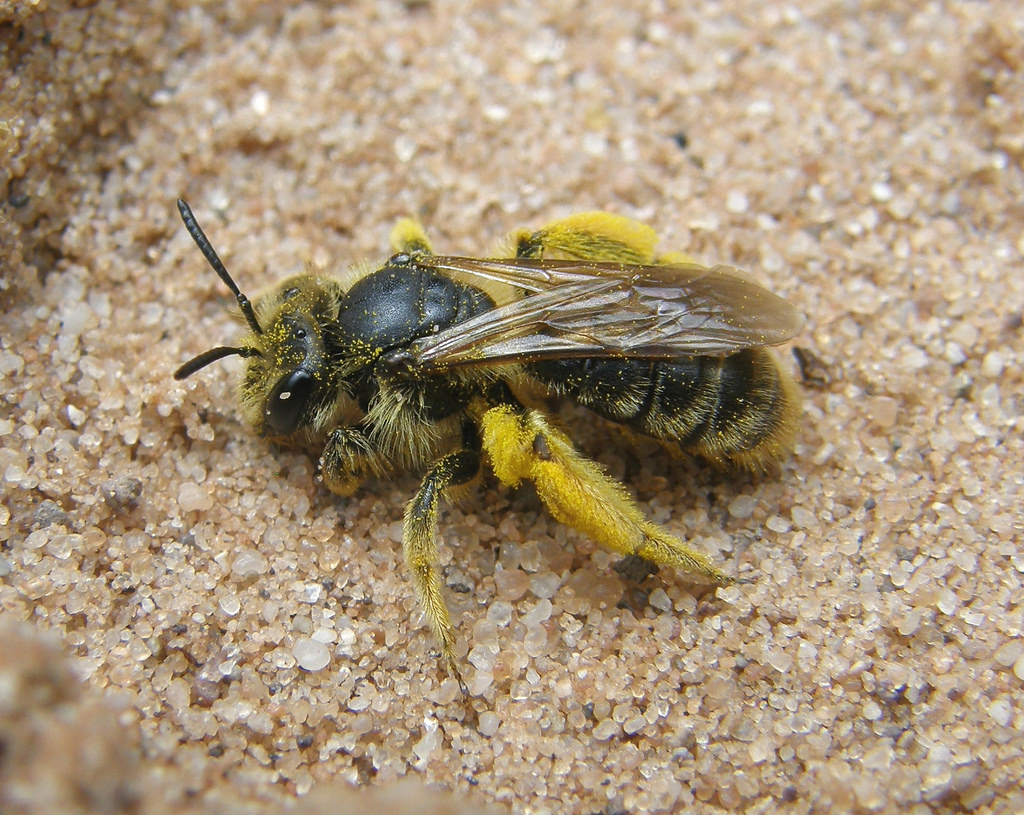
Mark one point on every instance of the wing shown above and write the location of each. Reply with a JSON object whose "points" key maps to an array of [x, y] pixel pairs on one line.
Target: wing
{"points": [[578, 308]]}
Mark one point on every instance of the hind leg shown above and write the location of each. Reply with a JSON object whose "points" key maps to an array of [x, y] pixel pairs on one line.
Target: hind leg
{"points": [[522, 445]]}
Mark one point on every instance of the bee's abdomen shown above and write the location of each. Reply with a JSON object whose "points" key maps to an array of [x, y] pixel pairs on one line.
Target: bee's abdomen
{"points": [[740, 410]]}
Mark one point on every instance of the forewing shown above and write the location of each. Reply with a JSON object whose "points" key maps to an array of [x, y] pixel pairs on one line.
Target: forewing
{"points": [[587, 309]]}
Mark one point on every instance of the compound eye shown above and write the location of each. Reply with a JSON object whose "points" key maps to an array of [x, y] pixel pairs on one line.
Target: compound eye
{"points": [[287, 401]]}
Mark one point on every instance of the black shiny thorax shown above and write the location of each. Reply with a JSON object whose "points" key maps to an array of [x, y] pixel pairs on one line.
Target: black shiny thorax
{"points": [[402, 302], [386, 311]]}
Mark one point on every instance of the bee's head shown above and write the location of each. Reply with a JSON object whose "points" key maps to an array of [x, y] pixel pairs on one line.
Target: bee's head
{"points": [[286, 388]]}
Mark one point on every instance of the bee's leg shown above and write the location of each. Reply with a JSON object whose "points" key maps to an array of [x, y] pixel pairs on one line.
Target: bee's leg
{"points": [[408, 236], [349, 457], [419, 543], [599, 236], [522, 444], [589, 236]]}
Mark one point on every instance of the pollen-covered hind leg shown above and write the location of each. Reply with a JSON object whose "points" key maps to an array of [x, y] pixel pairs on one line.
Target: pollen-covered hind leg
{"points": [[522, 445], [408, 236], [419, 544], [599, 236]]}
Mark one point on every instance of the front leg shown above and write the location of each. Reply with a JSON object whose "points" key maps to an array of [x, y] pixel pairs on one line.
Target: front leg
{"points": [[522, 444], [348, 459], [419, 544]]}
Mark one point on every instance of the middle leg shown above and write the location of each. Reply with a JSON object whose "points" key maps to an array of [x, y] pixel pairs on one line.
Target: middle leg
{"points": [[419, 544]]}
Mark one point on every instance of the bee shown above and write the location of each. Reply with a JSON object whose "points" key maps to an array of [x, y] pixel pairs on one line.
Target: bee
{"points": [[423, 363]]}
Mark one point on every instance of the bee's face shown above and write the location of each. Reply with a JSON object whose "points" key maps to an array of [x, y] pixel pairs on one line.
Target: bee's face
{"points": [[295, 380], [290, 385]]}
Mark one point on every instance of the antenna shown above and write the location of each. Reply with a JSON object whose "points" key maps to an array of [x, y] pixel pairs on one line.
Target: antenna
{"points": [[210, 356], [210, 254]]}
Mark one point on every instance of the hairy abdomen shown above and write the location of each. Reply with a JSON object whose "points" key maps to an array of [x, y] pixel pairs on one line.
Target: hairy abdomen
{"points": [[740, 410]]}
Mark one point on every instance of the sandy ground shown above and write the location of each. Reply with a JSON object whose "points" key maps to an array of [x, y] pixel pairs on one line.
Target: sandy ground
{"points": [[863, 160]]}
